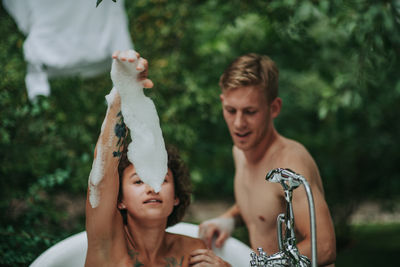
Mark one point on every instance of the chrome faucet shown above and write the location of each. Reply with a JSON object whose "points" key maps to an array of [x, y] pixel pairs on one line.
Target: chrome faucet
{"points": [[288, 254]]}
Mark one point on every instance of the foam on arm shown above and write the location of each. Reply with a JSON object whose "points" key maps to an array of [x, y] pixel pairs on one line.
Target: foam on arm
{"points": [[104, 145]]}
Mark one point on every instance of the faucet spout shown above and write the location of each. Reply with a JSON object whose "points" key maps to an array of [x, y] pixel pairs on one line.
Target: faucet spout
{"points": [[288, 255]]}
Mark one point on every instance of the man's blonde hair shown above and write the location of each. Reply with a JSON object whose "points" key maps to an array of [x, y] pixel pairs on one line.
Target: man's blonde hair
{"points": [[252, 70]]}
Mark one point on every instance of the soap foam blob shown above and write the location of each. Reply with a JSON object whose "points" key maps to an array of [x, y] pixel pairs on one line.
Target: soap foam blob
{"points": [[147, 150]]}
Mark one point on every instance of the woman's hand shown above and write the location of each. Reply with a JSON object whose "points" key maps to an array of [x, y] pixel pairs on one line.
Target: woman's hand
{"points": [[205, 258], [130, 58]]}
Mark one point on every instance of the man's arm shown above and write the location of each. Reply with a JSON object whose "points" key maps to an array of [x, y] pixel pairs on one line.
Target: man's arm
{"points": [[234, 212], [326, 242], [221, 227]]}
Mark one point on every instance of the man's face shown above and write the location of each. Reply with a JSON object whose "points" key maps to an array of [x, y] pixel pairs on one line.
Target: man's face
{"points": [[248, 116]]}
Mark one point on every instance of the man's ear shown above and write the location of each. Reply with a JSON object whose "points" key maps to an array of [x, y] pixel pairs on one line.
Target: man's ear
{"points": [[276, 106], [221, 97]]}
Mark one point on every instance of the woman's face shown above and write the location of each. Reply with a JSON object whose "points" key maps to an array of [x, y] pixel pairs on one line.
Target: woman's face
{"points": [[140, 200]]}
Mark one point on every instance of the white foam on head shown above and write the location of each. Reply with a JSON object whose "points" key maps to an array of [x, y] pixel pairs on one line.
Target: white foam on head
{"points": [[147, 150]]}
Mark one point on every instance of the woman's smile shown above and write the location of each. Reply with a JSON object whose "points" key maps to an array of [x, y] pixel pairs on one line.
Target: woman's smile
{"points": [[153, 201]]}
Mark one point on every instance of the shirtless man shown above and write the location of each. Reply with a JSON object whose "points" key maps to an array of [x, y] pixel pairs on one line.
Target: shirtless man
{"points": [[250, 104]]}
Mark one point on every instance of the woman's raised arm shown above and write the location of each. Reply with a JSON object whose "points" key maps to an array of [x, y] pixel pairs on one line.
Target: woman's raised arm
{"points": [[103, 185]]}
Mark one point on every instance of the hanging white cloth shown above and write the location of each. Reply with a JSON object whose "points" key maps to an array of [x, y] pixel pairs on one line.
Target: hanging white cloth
{"points": [[68, 37]]}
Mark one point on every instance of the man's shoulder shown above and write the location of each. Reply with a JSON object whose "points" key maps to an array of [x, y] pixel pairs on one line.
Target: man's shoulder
{"points": [[294, 155], [293, 149]]}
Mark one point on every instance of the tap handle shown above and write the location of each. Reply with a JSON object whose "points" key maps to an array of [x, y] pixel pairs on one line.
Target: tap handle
{"points": [[286, 177]]}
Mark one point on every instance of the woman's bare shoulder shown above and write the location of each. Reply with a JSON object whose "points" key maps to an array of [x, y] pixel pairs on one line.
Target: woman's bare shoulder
{"points": [[186, 243], [181, 246]]}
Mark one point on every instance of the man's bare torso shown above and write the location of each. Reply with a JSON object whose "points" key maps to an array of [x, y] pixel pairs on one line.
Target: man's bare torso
{"points": [[259, 201]]}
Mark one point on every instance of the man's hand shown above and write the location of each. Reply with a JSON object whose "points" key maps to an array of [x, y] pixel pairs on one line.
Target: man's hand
{"points": [[220, 227], [206, 257], [127, 64]]}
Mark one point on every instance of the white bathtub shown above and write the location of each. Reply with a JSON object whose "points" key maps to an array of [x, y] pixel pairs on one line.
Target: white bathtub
{"points": [[71, 252]]}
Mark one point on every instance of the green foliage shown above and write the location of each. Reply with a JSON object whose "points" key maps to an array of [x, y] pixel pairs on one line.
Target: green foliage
{"points": [[339, 82], [372, 245]]}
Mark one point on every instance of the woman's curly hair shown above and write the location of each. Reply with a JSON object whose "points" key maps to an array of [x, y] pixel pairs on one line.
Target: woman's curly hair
{"points": [[182, 183]]}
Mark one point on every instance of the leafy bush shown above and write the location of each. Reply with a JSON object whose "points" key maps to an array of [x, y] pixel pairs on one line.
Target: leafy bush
{"points": [[338, 61]]}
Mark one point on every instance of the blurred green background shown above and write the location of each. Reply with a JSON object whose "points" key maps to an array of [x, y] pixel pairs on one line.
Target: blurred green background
{"points": [[339, 80]]}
